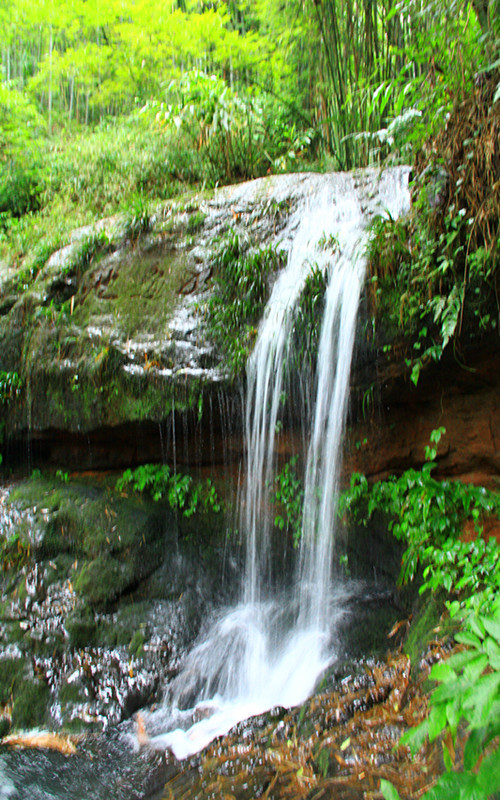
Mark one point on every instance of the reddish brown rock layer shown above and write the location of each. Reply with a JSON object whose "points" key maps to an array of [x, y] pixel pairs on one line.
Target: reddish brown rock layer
{"points": [[464, 399]]}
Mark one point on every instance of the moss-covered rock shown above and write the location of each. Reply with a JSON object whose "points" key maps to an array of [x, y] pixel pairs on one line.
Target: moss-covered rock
{"points": [[11, 669], [30, 707], [107, 330], [85, 634], [104, 579], [81, 626]]}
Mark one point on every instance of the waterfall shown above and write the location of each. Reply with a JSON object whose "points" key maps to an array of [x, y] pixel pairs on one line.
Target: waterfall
{"points": [[271, 648], [333, 372], [265, 372]]}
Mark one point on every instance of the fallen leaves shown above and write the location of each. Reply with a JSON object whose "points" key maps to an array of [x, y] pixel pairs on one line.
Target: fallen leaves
{"points": [[42, 740]]}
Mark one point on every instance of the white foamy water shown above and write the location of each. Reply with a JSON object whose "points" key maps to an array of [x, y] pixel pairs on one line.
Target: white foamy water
{"points": [[270, 651]]}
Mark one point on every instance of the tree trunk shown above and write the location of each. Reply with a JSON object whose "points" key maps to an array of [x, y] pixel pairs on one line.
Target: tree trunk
{"points": [[71, 90], [50, 81]]}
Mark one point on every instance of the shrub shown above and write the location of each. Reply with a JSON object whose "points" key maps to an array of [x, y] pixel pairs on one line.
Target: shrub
{"points": [[240, 292]]}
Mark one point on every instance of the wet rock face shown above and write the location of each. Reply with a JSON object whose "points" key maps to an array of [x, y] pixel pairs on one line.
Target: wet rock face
{"points": [[114, 363], [100, 596], [108, 333]]}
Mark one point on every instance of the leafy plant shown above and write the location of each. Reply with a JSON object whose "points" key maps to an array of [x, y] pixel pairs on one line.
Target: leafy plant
{"points": [[10, 386], [309, 314], [467, 700], [429, 515], [240, 291], [238, 134], [195, 221], [288, 496], [463, 569], [423, 512], [434, 275], [180, 491], [62, 476], [138, 218]]}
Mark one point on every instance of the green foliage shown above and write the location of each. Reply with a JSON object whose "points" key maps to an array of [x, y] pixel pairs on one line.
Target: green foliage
{"points": [[10, 386], [388, 250], [388, 790], [414, 99], [424, 513], [63, 476], [138, 218], [118, 167], [434, 275], [463, 569], [36, 259], [468, 697], [240, 292], [180, 491], [288, 496], [84, 61], [121, 163], [429, 290], [383, 89], [195, 222], [21, 180], [250, 87], [237, 134], [309, 314]]}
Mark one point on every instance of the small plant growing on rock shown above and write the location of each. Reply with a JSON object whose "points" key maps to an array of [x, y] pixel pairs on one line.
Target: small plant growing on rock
{"points": [[288, 496], [429, 516], [240, 292], [180, 491], [424, 512]]}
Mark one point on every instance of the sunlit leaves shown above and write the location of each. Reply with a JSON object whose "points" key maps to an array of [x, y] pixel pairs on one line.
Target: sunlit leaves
{"points": [[107, 55]]}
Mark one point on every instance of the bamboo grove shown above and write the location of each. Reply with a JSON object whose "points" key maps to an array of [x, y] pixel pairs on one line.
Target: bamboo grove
{"points": [[356, 81]]}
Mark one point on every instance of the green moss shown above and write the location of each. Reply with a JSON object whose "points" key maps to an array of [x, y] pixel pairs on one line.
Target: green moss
{"points": [[427, 623], [14, 633], [74, 380], [71, 693], [103, 543], [10, 672], [126, 630], [30, 705], [102, 580], [82, 628], [144, 284], [87, 395]]}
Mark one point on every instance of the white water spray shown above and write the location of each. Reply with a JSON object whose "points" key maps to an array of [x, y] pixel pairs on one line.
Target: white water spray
{"points": [[271, 650]]}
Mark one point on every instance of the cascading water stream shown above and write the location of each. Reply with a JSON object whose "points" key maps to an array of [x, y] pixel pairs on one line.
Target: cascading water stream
{"points": [[333, 371], [265, 377], [254, 655]]}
